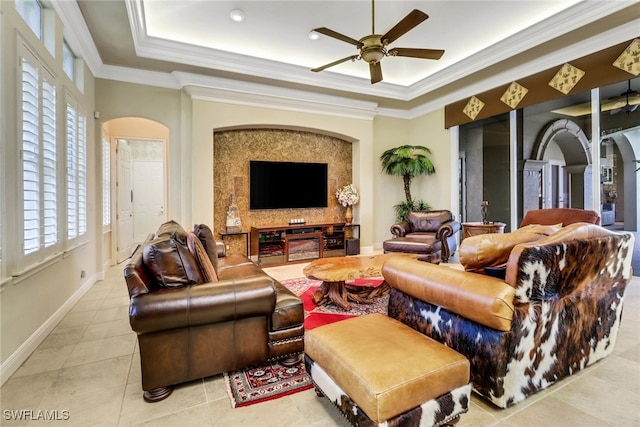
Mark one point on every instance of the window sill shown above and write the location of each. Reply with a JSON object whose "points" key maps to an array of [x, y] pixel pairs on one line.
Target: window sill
{"points": [[34, 268], [4, 282], [74, 248], [38, 266]]}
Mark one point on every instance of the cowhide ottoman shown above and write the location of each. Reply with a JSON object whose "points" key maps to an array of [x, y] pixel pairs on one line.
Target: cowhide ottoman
{"points": [[377, 370]]}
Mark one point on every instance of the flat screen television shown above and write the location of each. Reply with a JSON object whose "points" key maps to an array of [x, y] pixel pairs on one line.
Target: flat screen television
{"points": [[287, 185]]}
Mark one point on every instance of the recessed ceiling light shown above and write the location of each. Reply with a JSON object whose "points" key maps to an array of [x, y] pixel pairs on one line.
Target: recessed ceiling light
{"points": [[313, 35], [237, 15]]}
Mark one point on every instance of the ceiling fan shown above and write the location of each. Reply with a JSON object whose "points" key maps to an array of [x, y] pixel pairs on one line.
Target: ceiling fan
{"points": [[628, 107], [374, 46]]}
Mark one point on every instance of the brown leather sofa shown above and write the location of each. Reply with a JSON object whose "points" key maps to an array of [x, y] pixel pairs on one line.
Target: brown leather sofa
{"points": [[430, 233], [195, 321], [557, 311]]}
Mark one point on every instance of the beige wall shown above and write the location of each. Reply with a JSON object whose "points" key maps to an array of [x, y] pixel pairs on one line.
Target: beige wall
{"points": [[427, 130]]}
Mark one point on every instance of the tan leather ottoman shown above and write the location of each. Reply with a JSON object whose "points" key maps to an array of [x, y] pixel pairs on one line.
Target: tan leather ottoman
{"points": [[376, 369]]}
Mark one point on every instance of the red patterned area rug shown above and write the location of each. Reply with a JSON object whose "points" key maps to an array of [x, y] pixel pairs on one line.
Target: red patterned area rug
{"points": [[317, 316], [273, 381]]}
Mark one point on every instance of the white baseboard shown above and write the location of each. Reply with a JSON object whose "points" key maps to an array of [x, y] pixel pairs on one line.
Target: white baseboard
{"points": [[13, 362]]}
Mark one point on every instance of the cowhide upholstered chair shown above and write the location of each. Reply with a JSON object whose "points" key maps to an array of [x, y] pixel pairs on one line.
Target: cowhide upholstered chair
{"points": [[557, 311]]}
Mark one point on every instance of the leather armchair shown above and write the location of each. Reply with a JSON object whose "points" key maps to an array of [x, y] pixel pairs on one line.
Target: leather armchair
{"points": [[188, 329], [564, 216], [428, 227]]}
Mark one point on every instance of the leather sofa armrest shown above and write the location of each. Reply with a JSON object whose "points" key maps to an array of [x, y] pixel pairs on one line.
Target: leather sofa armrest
{"points": [[399, 229], [207, 303], [483, 299], [447, 229]]}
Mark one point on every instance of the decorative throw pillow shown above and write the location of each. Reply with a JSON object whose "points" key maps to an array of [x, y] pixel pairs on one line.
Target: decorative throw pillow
{"points": [[205, 235], [490, 250], [168, 259], [197, 250]]}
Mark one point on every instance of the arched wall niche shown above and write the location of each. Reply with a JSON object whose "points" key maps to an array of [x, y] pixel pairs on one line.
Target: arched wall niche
{"points": [[234, 147]]}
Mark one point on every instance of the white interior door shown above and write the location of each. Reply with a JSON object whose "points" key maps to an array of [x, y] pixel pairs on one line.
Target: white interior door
{"points": [[124, 216], [148, 198]]}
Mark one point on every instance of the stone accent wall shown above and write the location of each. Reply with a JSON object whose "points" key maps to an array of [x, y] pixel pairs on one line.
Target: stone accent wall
{"points": [[232, 151]]}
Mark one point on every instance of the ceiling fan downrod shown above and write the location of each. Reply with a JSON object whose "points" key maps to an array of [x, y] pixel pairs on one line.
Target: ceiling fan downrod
{"points": [[373, 17]]}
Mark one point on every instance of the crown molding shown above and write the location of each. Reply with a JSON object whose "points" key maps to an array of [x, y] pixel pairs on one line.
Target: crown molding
{"points": [[263, 96], [134, 75]]}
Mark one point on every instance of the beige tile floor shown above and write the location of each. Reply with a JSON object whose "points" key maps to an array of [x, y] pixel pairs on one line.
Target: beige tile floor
{"points": [[89, 366]]}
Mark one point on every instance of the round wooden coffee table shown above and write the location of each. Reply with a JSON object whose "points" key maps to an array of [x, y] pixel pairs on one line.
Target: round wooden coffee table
{"points": [[335, 271]]}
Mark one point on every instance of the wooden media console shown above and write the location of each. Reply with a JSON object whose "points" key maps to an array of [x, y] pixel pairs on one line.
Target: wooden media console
{"points": [[303, 242]]}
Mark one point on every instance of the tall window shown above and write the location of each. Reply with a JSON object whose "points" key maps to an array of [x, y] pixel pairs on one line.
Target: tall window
{"points": [[38, 156], [76, 173], [106, 182], [68, 61], [31, 12]]}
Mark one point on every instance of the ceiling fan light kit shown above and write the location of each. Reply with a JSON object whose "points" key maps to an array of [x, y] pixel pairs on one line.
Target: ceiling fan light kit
{"points": [[374, 46]]}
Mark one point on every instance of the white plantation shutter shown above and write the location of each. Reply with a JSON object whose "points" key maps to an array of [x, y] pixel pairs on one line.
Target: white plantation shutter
{"points": [[49, 166], [38, 157], [82, 175], [76, 173], [72, 177], [30, 156]]}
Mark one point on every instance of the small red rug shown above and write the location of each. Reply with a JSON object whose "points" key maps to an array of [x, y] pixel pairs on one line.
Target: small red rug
{"points": [[272, 381]]}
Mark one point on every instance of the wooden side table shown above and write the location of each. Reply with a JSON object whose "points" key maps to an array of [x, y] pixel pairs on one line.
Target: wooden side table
{"points": [[238, 233], [475, 228]]}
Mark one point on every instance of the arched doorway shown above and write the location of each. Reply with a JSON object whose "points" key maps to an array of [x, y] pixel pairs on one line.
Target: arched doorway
{"points": [[621, 181], [560, 174], [139, 192]]}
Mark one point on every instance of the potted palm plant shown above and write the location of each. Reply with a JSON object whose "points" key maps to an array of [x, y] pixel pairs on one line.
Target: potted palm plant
{"points": [[408, 161]]}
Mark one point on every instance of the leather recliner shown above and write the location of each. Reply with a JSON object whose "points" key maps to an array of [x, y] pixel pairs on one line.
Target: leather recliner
{"points": [[425, 232], [188, 329]]}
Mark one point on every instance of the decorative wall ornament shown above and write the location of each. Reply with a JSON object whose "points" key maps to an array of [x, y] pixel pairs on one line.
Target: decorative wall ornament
{"points": [[234, 225], [629, 59], [473, 107], [514, 94], [566, 78]]}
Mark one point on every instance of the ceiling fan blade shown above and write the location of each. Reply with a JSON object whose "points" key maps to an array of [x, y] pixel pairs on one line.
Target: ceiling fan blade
{"points": [[417, 53], [339, 61], [376, 72], [336, 35], [414, 18]]}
